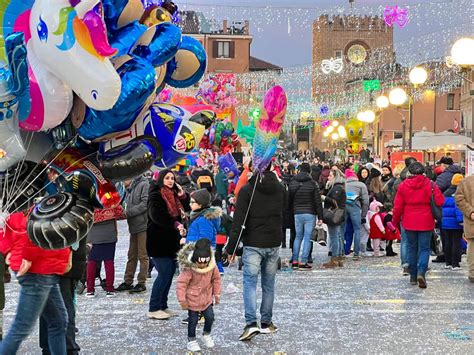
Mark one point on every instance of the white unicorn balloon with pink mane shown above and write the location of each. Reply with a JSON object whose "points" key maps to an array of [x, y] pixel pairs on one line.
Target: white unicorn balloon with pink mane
{"points": [[68, 53]]}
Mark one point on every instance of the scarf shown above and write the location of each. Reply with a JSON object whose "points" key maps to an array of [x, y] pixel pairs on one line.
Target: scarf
{"points": [[172, 202]]}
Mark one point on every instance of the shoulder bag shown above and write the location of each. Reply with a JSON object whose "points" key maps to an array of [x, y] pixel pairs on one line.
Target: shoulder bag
{"points": [[435, 209]]}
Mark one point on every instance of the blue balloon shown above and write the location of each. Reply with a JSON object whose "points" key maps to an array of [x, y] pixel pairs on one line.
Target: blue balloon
{"points": [[138, 83], [198, 60], [112, 11], [163, 46], [125, 39], [228, 165]]}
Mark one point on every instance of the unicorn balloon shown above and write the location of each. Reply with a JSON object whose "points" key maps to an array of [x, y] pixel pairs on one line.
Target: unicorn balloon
{"points": [[68, 52], [269, 127]]}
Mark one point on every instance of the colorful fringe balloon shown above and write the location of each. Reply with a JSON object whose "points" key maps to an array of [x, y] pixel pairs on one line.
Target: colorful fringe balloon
{"points": [[268, 128]]}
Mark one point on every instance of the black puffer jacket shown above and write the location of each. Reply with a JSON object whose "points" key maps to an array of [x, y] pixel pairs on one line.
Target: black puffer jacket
{"points": [[305, 195], [162, 235], [336, 196], [444, 179], [265, 218]]}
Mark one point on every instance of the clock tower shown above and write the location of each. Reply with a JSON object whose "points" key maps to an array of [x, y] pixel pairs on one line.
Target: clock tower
{"points": [[360, 41]]}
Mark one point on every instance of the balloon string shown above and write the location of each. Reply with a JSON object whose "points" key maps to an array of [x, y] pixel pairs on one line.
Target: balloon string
{"points": [[18, 169], [242, 227], [45, 186], [25, 181], [18, 194], [4, 189]]}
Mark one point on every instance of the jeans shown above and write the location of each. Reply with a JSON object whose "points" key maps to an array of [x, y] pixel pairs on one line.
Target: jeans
{"points": [[304, 225], [256, 260], [419, 250], [137, 252], [38, 294], [452, 246], [348, 237], [337, 240], [354, 214], [193, 318], [67, 287], [166, 268], [403, 248]]}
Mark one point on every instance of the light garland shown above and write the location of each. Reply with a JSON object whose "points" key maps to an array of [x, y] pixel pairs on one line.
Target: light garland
{"points": [[332, 65]]}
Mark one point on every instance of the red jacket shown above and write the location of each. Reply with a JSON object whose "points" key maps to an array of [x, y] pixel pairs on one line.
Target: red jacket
{"points": [[14, 240], [412, 204]]}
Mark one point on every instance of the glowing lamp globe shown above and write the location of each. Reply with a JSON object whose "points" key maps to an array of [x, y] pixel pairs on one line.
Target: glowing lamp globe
{"points": [[360, 116], [418, 76], [326, 134], [335, 136], [335, 123], [462, 52], [330, 129], [397, 97], [369, 116], [382, 102], [342, 132]]}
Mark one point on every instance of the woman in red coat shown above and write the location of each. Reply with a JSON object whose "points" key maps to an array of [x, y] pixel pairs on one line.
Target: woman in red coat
{"points": [[37, 271], [413, 208]]}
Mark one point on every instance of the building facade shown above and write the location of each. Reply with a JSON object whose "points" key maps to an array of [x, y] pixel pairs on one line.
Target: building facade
{"points": [[227, 46]]}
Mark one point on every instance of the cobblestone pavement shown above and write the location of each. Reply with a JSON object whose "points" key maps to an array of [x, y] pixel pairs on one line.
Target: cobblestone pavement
{"points": [[365, 307]]}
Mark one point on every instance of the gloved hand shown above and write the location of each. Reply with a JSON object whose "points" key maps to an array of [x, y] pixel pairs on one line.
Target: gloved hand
{"points": [[363, 221]]}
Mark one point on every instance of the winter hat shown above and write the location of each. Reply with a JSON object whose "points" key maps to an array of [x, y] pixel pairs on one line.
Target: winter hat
{"points": [[375, 172], [416, 168], [409, 161], [202, 197], [374, 204], [350, 174], [448, 161], [202, 251], [456, 180]]}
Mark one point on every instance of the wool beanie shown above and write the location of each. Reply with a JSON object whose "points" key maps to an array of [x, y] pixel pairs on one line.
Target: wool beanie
{"points": [[351, 174], [202, 197], [416, 168], [202, 251], [375, 172], [456, 180]]}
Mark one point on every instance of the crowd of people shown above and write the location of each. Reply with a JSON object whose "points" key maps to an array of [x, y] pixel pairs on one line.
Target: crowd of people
{"points": [[201, 221]]}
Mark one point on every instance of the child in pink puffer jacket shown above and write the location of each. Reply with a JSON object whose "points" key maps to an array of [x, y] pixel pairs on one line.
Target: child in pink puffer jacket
{"points": [[198, 287]]}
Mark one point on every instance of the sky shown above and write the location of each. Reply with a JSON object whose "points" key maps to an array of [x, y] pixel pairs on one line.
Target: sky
{"points": [[283, 33]]}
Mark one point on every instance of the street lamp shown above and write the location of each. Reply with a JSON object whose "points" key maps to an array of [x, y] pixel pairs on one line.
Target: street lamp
{"points": [[418, 76], [397, 97], [382, 102], [462, 52]]}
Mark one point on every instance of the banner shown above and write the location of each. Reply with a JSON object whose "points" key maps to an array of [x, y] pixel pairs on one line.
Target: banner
{"points": [[397, 159]]}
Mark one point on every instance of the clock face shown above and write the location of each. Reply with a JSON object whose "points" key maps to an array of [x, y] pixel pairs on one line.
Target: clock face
{"points": [[357, 53]]}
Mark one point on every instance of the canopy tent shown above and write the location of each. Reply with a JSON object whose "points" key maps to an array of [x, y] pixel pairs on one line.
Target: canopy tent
{"points": [[445, 140], [418, 137]]}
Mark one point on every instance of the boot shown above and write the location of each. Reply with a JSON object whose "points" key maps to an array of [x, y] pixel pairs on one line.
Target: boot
{"points": [[331, 264], [340, 261]]}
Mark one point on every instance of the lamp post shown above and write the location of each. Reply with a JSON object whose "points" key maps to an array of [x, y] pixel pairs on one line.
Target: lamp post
{"points": [[398, 97], [462, 55], [418, 76]]}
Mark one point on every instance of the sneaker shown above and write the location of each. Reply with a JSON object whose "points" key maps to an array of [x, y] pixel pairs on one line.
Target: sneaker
{"points": [[193, 346], [413, 281], [110, 294], [406, 271], [80, 288], [158, 315], [421, 281], [139, 288], [268, 328], [249, 332], [356, 257], [124, 287], [456, 268], [449, 267], [170, 312], [305, 267], [208, 341], [90, 294], [295, 266]]}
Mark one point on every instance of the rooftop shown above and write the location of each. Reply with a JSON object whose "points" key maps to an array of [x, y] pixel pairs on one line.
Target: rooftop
{"points": [[261, 65]]}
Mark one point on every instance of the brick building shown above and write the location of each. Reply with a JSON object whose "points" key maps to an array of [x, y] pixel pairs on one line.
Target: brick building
{"points": [[227, 47]]}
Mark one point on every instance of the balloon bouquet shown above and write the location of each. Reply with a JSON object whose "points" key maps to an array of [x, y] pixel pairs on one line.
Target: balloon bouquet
{"points": [[99, 65]]}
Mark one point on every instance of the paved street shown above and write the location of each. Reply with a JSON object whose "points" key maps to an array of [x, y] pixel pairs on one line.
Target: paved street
{"points": [[366, 307]]}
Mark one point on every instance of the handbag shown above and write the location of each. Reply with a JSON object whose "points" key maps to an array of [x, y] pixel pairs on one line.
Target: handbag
{"points": [[436, 242], [333, 216], [435, 209], [319, 235]]}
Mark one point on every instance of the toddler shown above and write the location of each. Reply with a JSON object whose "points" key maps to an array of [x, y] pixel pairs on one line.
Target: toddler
{"points": [[197, 288]]}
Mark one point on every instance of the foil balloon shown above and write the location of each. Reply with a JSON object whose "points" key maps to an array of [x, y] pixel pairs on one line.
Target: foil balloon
{"points": [[228, 165], [246, 132], [67, 52], [14, 101], [189, 64], [269, 127], [355, 133]]}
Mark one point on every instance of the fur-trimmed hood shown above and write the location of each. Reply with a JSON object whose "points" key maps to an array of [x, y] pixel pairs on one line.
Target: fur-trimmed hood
{"points": [[185, 255], [209, 213]]}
